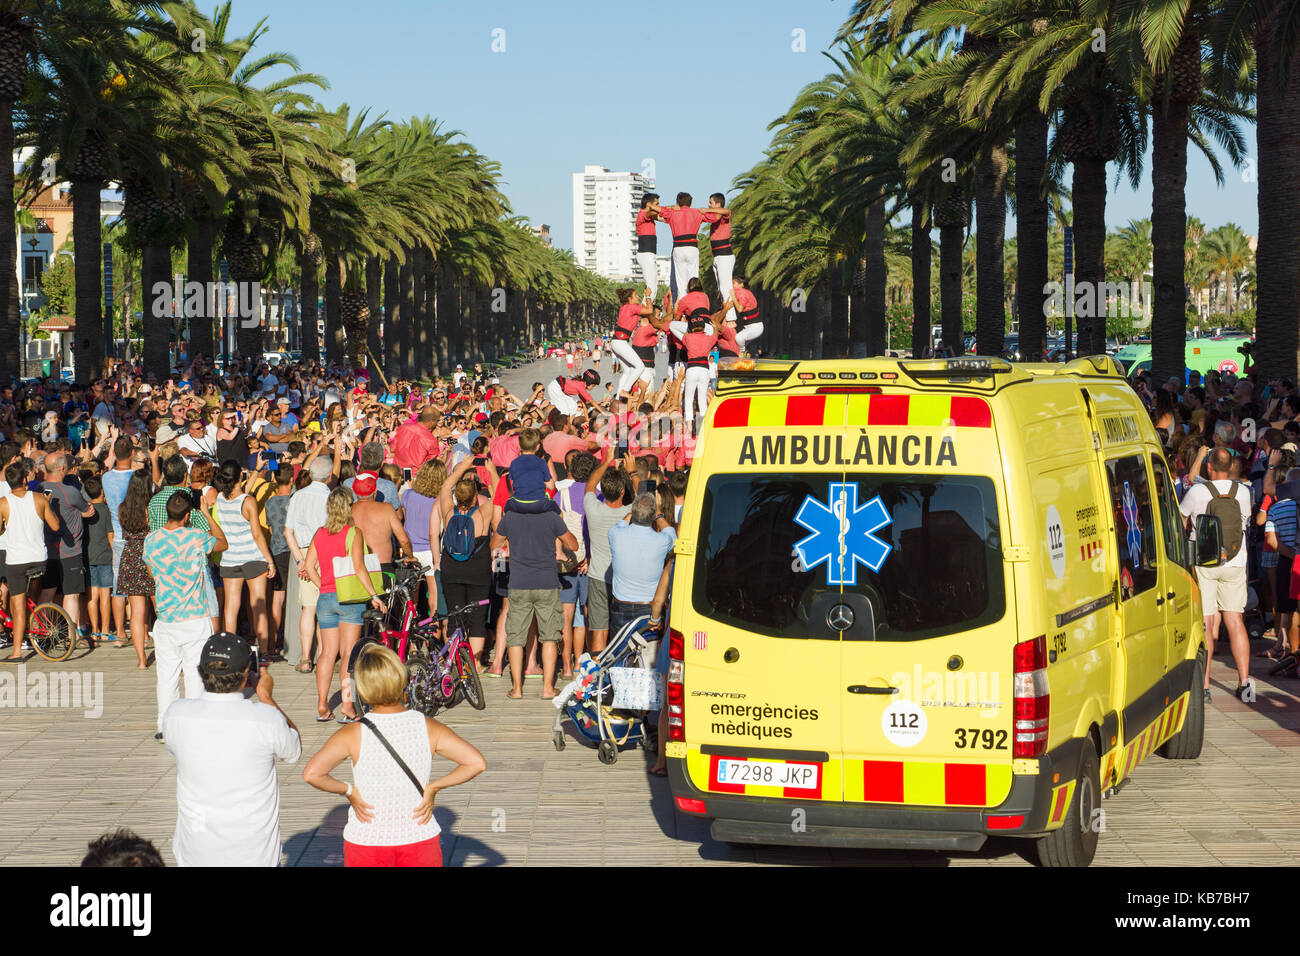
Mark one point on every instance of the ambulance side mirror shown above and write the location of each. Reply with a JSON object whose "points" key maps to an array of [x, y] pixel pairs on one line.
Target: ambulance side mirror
{"points": [[1209, 541]]}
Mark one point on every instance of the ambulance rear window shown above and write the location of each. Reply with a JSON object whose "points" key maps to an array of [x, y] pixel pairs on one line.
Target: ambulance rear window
{"points": [[771, 546]]}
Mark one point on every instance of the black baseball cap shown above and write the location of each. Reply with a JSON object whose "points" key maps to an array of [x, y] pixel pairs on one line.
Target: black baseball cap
{"points": [[227, 647]]}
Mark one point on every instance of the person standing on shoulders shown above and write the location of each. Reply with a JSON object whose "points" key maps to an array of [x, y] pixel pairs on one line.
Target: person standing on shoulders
{"points": [[724, 259], [646, 247]]}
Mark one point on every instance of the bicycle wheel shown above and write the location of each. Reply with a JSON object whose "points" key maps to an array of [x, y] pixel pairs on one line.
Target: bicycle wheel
{"points": [[51, 632], [470, 685]]}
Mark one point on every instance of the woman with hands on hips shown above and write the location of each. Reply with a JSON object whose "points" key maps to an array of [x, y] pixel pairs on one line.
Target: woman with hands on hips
{"points": [[390, 816]]}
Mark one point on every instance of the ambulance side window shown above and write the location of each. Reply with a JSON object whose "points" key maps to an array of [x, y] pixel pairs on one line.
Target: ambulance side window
{"points": [[1170, 517], [1135, 532]]}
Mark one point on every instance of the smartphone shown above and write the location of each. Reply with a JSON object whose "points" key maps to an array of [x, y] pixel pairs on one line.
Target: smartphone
{"points": [[406, 474], [271, 460]]}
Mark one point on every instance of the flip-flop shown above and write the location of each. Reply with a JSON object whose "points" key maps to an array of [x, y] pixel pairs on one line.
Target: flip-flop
{"points": [[13, 660], [657, 771], [345, 719], [490, 674], [326, 719], [513, 697]]}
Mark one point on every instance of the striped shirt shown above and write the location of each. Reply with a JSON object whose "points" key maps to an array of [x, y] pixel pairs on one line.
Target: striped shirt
{"points": [[241, 547], [1282, 522]]}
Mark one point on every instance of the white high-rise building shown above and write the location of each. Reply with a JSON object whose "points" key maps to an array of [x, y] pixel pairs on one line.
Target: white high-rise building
{"points": [[605, 205]]}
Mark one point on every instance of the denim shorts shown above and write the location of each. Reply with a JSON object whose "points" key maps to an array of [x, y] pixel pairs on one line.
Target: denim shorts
{"points": [[101, 575], [330, 613], [573, 589]]}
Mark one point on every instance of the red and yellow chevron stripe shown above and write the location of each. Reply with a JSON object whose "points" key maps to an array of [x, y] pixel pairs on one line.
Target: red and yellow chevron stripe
{"points": [[1060, 803], [1122, 761], [927, 783], [826, 411]]}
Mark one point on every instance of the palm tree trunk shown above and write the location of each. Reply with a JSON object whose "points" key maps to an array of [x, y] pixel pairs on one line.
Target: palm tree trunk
{"points": [[1277, 267], [446, 317], [309, 308], [920, 278], [838, 346], [374, 299], [1088, 201], [405, 335], [1031, 234], [872, 320], [199, 267], [155, 272], [336, 343], [10, 360], [88, 359], [420, 346], [990, 265], [950, 249], [392, 319], [1168, 238]]}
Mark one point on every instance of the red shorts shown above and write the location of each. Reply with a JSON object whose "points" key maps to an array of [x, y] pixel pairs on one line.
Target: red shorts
{"points": [[425, 853]]}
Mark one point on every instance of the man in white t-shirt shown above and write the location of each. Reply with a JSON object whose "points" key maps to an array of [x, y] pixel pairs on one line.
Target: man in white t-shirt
{"points": [[226, 745], [269, 381], [199, 441], [1223, 587]]}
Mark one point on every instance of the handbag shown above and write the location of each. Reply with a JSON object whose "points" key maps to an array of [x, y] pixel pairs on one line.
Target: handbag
{"points": [[350, 588], [366, 722]]}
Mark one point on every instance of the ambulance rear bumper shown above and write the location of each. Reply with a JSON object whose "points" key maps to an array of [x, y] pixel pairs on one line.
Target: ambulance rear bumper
{"points": [[791, 822]]}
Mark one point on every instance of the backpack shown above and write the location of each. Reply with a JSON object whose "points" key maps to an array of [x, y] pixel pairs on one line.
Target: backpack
{"points": [[572, 521], [1226, 508], [458, 540]]}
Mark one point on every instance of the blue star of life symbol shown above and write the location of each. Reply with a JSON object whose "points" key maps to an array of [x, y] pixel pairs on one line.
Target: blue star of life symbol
{"points": [[843, 533], [1129, 508]]}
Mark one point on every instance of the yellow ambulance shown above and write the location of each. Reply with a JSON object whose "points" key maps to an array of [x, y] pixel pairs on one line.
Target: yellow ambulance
{"points": [[919, 603]]}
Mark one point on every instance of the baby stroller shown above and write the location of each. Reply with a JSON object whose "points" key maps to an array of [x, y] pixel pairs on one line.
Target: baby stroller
{"points": [[608, 699]]}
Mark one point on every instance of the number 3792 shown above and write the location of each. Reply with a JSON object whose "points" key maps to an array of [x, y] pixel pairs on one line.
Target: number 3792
{"points": [[973, 738]]}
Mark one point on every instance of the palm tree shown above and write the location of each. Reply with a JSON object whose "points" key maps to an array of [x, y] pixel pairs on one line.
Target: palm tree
{"points": [[86, 53]]}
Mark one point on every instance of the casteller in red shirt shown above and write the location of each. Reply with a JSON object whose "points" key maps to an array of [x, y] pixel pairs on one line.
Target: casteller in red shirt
{"points": [[413, 443]]}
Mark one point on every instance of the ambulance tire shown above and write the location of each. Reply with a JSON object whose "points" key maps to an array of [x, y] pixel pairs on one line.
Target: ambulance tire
{"points": [[1186, 744], [1074, 843]]}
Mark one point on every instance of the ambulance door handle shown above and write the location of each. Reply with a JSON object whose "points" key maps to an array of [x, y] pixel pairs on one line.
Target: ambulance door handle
{"points": [[1171, 595], [1159, 601], [864, 689]]}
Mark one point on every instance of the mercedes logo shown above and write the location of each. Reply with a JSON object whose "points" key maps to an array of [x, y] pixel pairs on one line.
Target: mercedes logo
{"points": [[840, 617]]}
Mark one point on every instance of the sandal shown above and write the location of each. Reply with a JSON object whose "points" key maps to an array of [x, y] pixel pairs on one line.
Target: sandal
{"points": [[345, 719], [304, 667], [657, 771], [326, 719]]}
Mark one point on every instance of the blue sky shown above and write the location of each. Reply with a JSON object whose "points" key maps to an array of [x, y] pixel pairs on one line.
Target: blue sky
{"points": [[689, 86]]}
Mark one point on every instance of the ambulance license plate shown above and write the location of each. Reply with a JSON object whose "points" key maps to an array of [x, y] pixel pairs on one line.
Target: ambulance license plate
{"points": [[768, 773]]}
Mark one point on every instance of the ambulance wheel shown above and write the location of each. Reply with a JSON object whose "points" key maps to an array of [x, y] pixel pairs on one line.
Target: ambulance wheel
{"points": [[1186, 744], [607, 752], [1075, 842], [557, 738]]}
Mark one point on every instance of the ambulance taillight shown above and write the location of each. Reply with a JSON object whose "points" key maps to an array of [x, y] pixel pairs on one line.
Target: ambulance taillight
{"points": [[676, 689], [1032, 703]]}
